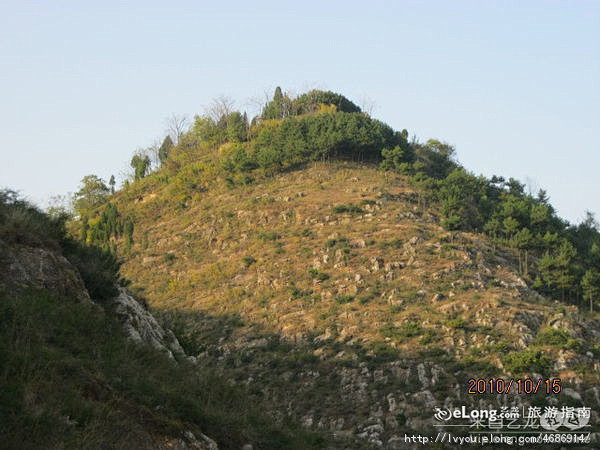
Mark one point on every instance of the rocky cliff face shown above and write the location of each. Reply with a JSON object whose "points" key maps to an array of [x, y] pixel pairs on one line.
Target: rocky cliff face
{"points": [[39, 268]]}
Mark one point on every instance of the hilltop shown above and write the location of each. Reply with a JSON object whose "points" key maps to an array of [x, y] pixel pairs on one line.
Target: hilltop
{"points": [[349, 278]]}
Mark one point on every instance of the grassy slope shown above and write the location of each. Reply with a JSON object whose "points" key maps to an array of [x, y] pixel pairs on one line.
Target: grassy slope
{"points": [[248, 251], [70, 380]]}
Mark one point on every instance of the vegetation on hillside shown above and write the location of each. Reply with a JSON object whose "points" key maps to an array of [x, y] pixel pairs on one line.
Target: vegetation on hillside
{"points": [[561, 260]]}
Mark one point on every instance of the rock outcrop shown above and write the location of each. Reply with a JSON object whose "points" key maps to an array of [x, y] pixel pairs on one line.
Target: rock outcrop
{"points": [[39, 268], [141, 326]]}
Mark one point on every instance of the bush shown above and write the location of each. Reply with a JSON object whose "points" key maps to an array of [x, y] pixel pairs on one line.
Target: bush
{"points": [[349, 208], [526, 361], [406, 330], [317, 274], [269, 236], [98, 268], [557, 338], [342, 299], [248, 261]]}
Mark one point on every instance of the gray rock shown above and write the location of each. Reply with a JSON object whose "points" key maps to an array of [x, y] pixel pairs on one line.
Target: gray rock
{"points": [[140, 325]]}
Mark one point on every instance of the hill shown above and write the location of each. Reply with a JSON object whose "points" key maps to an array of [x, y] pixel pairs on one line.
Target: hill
{"points": [[350, 278]]}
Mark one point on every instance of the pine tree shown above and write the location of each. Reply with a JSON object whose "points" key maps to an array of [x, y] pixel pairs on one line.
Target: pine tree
{"points": [[112, 183], [590, 283]]}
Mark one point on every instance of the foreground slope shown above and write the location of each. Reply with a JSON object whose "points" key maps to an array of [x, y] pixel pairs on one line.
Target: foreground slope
{"points": [[85, 365]]}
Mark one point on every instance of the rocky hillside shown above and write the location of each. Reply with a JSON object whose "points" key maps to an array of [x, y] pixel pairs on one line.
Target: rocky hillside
{"points": [[335, 295], [84, 371]]}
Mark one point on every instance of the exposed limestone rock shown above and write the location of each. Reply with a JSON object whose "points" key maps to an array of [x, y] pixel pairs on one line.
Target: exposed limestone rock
{"points": [[376, 263], [189, 442], [141, 326], [40, 268]]}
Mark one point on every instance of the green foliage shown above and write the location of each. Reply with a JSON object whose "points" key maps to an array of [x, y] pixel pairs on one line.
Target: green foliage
{"points": [[349, 208], [457, 322], [269, 236], [23, 223], [165, 149], [279, 107], [70, 379], [310, 101], [395, 159], [435, 159], [394, 243], [140, 163], [406, 330], [383, 353], [526, 361], [317, 274], [282, 106], [337, 242], [590, 284], [236, 126], [92, 194], [343, 299], [557, 338], [248, 261], [297, 140]]}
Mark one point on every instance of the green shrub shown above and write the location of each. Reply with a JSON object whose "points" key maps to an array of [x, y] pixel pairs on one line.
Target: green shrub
{"points": [[317, 274], [349, 208], [248, 261], [269, 236], [343, 299], [406, 330], [526, 361], [383, 353], [552, 336], [457, 322]]}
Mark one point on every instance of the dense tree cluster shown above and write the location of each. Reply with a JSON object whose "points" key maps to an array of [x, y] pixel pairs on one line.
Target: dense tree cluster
{"points": [[561, 259], [315, 126], [282, 105]]}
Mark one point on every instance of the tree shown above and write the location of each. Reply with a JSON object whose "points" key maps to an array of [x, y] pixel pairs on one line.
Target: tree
{"points": [[60, 206], [237, 127], [92, 194], [522, 240], [394, 159], [220, 108], [437, 158], [177, 125], [140, 162], [511, 225], [83, 232], [165, 149], [590, 283], [112, 183]]}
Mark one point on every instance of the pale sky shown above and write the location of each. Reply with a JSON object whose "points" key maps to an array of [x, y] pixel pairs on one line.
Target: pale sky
{"points": [[514, 85]]}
